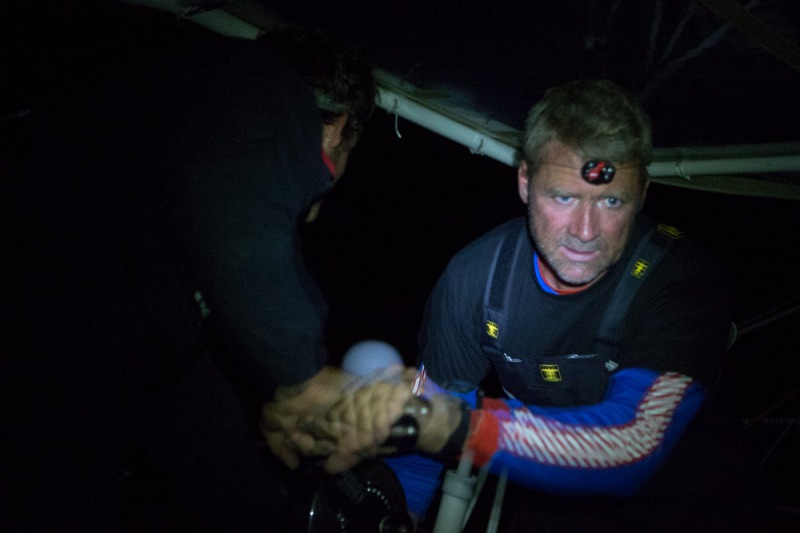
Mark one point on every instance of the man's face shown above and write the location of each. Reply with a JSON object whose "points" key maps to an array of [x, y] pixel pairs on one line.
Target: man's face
{"points": [[580, 229]]}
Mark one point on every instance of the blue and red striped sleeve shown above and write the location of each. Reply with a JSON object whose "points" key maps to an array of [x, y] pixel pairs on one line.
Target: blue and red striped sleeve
{"points": [[611, 448]]}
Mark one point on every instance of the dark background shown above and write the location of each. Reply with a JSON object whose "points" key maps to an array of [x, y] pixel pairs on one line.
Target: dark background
{"points": [[406, 205]]}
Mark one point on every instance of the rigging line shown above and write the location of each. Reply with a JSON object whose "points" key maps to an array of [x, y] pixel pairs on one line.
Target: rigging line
{"points": [[676, 35], [768, 317], [497, 503], [775, 444], [771, 409], [591, 27], [655, 26], [676, 64], [609, 21], [756, 30]]}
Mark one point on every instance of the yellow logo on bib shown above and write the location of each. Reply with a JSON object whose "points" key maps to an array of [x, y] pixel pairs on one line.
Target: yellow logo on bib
{"points": [[639, 268], [550, 373]]}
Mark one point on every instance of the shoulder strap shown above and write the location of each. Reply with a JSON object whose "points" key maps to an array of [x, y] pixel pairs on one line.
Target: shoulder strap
{"points": [[651, 249], [498, 288], [649, 252]]}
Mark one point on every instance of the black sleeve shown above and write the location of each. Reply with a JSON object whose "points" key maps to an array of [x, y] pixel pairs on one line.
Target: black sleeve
{"points": [[245, 253], [255, 169]]}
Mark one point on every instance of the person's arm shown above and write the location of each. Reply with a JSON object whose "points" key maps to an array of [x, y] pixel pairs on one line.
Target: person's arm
{"points": [[246, 170], [418, 474], [236, 225], [282, 419], [610, 448]]}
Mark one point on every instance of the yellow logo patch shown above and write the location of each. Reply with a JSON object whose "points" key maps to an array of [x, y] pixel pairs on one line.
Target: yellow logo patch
{"points": [[550, 373], [671, 231], [492, 329], [639, 268]]}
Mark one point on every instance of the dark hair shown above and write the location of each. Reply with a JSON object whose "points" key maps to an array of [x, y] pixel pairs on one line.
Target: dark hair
{"points": [[341, 80], [596, 118]]}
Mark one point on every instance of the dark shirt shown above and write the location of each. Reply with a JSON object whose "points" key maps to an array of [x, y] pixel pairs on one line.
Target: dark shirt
{"points": [[678, 322]]}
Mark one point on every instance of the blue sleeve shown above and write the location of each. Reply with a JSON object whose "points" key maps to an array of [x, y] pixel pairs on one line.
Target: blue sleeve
{"points": [[419, 477], [611, 448]]}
